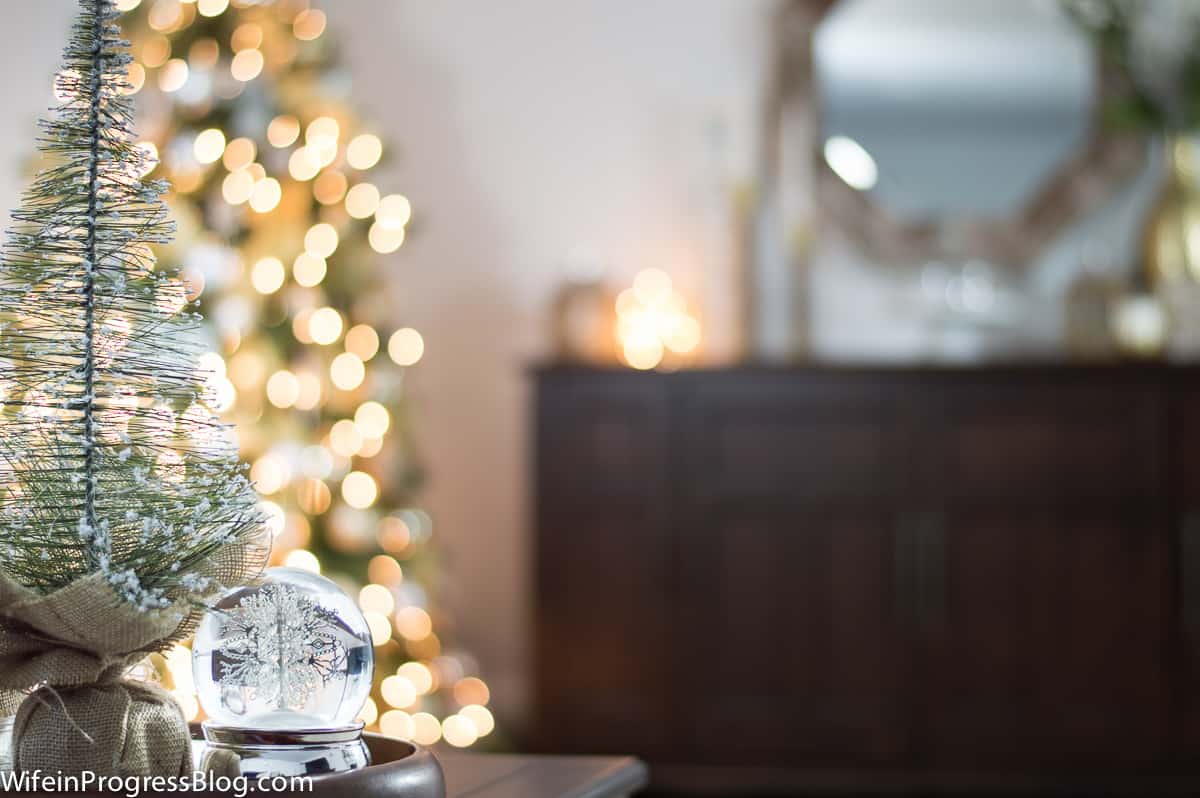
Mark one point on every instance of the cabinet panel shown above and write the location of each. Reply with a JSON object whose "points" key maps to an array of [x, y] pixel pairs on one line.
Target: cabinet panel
{"points": [[1053, 573], [794, 652], [1185, 461], [1050, 646], [604, 638], [788, 440], [788, 558], [1045, 441]]}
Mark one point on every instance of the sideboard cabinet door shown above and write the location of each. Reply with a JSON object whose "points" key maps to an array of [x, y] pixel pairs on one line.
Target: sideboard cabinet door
{"points": [[603, 664], [1046, 572], [788, 544], [1185, 473]]}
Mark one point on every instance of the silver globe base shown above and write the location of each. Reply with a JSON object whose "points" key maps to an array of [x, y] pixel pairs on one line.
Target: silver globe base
{"points": [[257, 753]]}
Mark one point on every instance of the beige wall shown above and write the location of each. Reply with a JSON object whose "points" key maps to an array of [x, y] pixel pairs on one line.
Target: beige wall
{"points": [[530, 128], [526, 128]]}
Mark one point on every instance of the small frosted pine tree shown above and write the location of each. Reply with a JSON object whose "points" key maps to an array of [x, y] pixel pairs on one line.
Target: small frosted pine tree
{"points": [[111, 462]]}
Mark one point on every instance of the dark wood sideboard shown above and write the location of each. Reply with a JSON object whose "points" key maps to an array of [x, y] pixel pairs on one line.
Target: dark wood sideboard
{"points": [[892, 573]]}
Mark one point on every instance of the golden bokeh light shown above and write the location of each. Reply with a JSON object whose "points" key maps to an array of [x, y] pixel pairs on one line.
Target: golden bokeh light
{"points": [[310, 391], [211, 8], [309, 24], [304, 560], [364, 151], [211, 364], [155, 51], [406, 347], [381, 630], [459, 731], [321, 240], [398, 724], [643, 350], [471, 690], [314, 496], [247, 65], [309, 270], [345, 438], [165, 16], [173, 75], [362, 200], [653, 321], [371, 447], [385, 570], [127, 5], [372, 419], [247, 36], [304, 164], [209, 146], [321, 140], [426, 729], [323, 128], [347, 371], [393, 534], [684, 336], [481, 716], [237, 187], [419, 674], [330, 187], [300, 326], [413, 623], [239, 154], [398, 692], [283, 389], [246, 370], [283, 131], [377, 598], [362, 340], [267, 275], [266, 195], [385, 241], [394, 212], [204, 53], [325, 326], [269, 474]]}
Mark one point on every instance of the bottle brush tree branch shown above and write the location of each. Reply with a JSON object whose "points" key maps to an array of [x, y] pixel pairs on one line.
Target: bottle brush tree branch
{"points": [[111, 460]]}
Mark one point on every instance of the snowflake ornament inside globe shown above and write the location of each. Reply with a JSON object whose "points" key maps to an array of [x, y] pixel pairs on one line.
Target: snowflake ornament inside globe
{"points": [[292, 652]]}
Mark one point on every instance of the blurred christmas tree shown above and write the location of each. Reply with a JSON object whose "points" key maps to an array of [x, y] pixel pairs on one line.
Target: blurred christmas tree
{"points": [[281, 233]]}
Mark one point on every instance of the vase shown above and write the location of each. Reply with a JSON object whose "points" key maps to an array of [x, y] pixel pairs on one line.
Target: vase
{"points": [[1171, 243]]}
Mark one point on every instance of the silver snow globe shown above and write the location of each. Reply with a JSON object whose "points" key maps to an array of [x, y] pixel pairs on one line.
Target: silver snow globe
{"points": [[282, 669]]}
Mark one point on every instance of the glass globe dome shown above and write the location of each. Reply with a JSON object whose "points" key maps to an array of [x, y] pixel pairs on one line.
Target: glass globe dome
{"points": [[292, 652]]}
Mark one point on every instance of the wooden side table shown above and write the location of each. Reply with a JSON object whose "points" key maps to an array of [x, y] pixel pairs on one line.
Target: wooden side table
{"points": [[512, 776]]}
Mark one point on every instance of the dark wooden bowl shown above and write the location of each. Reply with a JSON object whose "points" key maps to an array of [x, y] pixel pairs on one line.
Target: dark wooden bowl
{"points": [[398, 769]]}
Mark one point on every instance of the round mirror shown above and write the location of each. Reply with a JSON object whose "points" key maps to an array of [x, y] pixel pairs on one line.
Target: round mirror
{"points": [[959, 127]]}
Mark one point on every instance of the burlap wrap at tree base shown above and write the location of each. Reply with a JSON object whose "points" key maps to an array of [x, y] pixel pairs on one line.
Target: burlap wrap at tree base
{"points": [[76, 644]]}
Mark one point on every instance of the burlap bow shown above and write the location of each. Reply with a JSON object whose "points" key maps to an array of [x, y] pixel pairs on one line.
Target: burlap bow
{"points": [[74, 645]]}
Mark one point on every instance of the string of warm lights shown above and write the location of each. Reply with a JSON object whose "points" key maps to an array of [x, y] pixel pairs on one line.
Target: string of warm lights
{"points": [[654, 326], [244, 111]]}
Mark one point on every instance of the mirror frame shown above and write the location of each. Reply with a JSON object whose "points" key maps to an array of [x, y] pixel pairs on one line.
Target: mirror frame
{"points": [[1086, 181]]}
